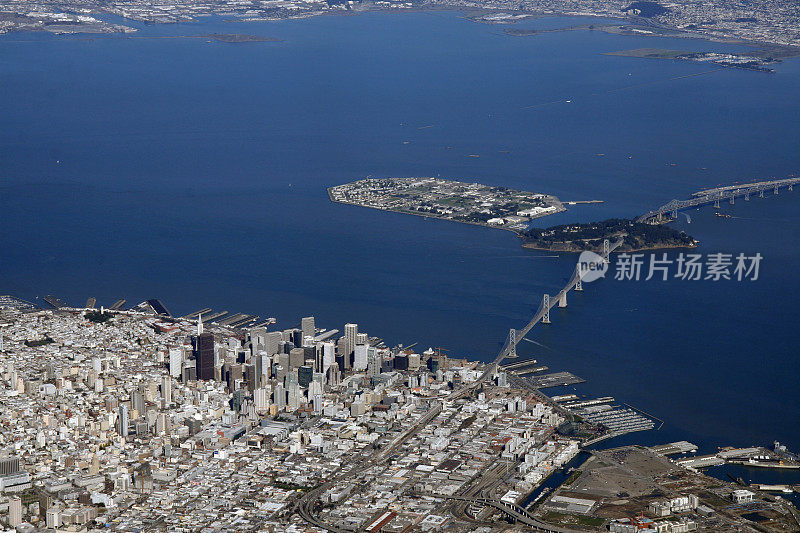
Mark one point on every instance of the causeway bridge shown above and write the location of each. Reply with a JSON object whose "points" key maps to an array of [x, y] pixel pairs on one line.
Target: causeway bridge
{"points": [[717, 195]]}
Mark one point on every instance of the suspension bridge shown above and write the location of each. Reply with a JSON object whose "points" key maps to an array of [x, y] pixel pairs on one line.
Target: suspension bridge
{"points": [[542, 315]]}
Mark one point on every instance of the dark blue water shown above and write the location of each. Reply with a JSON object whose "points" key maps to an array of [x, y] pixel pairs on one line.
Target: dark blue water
{"points": [[195, 172]]}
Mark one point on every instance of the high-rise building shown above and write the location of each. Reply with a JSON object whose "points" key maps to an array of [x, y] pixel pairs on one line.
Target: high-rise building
{"points": [[166, 389], [14, 511], [307, 326], [304, 375], [204, 355], [123, 422], [360, 357], [297, 358], [295, 397], [297, 337], [261, 399], [328, 356], [362, 338], [279, 396], [373, 362], [350, 337], [273, 340], [401, 362], [258, 339], [175, 362], [137, 402]]}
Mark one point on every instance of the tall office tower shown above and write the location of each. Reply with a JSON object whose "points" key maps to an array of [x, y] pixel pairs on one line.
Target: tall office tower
{"points": [[297, 337], [304, 375], [373, 362], [261, 399], [360, 357], [328, 356], [286, 335], [401, 362], [308, 327], [137, 402], [258, 339], [162, 424], [362, 338], [204, 355], [166, 389], [350, 337], [334, 376], [309, 355], [279, 396], [314, 388], [318, 403], [251, 377], [14, 511], [199, 325], [266, 368], [297, 357], [122, 420], [295, 397], [175, 362], [273, 339]]}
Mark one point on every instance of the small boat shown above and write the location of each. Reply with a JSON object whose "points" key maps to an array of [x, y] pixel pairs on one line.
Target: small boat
{"points": [[723, 215]]}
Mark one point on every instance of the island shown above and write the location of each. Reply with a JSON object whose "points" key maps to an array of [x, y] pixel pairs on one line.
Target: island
{"points": [[470, 203], [754, 60], [589, 236]]}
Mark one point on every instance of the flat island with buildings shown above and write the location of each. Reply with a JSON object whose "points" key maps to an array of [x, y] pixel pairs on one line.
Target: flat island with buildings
{"points": [[134, 420], [471, 203]]}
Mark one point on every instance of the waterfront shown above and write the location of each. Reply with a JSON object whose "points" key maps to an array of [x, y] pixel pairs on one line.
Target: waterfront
{"points": [[196, 172]]}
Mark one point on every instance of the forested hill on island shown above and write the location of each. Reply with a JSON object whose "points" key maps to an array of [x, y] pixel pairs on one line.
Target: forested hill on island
{"points": [[589, 236]]}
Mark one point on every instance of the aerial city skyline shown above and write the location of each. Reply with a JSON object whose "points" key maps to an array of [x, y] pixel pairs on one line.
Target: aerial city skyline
{"points": [[361, 266]]}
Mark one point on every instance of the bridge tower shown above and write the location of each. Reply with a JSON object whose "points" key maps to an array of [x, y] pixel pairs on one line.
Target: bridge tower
{"points": [[732, 199], [747, 196], [776, 191], [546, 309], [512, 343], [761, 193], [579, 283], [674, 213], [716, 203], [790, 186], [606, 248], [562, 299]]}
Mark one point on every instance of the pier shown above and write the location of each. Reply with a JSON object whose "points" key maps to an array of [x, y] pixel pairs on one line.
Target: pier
{"points": [[717, 195]]}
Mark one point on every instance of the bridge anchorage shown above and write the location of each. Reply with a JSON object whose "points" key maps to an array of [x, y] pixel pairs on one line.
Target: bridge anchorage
{"points": [[562, 299]]}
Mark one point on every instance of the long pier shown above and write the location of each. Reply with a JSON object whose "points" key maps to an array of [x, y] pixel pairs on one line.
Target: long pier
{"points": [[717, 195]]}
